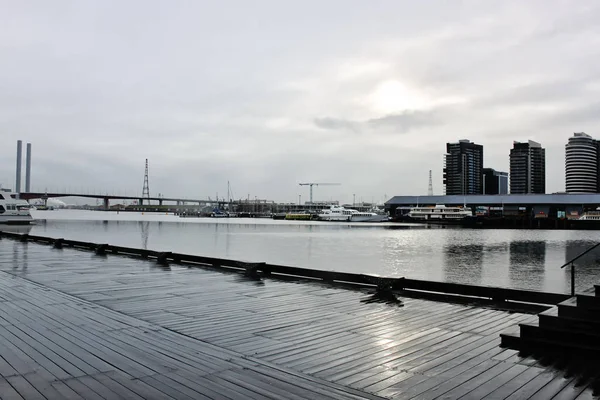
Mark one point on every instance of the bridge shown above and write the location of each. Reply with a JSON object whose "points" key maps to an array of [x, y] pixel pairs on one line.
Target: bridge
{"points": [[106, 198]]}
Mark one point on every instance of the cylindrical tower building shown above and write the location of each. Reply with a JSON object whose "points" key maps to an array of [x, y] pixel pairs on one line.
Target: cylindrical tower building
{"points": [[581, 164]]}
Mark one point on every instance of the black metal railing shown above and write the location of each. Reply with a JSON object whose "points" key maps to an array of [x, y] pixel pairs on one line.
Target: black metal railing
{"points": [[333, 277], [571, 263]]}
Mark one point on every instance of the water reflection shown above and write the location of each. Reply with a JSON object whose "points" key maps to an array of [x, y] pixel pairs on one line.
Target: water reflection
{"points": [[16, 228], [463, 261], [575, 247], [20, 258], [527, 261], [145, 231]]}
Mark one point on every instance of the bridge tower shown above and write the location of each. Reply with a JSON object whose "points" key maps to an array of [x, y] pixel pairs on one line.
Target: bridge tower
{"points": [[146, 188], [430, 189]]}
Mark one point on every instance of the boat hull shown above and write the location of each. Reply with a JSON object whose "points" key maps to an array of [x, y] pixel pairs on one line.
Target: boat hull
{"points": [[373, 218], [15, 220], [436, 221], [335, 218], [298, 217]]}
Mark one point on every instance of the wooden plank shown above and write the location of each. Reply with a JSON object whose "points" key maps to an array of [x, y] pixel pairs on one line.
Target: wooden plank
{"points": [[114, 386], [551, 387], [484, 390], [54, 363], [442, 386], [172, 389], [205, 387], [243, 340], [416, 386], [516, 384], [140, 388], [587, 394], [24, 388], [312, 384], [289, 388], [65, 392], [7, 392], [77, 386]]}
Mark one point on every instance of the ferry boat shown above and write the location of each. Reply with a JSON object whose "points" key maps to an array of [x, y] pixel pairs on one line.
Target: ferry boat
{"points": [[590, 216], [12, 210], [439, 214], [339, 213], [299, 216], [588, 220]]}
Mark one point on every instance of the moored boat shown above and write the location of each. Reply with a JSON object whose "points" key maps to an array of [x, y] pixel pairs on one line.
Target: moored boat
{"points": [[439, 214], [299, 216], [13, 210], [588, 220], [339, 213]]}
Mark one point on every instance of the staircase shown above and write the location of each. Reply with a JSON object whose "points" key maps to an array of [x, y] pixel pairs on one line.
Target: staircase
{"points": [[571, 328]]}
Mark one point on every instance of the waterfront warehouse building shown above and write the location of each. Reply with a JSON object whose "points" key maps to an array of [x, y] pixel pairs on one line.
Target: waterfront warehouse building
{"points": [[581, 164], [463, 168], [559, 205], [527, 168], [495, 182]]}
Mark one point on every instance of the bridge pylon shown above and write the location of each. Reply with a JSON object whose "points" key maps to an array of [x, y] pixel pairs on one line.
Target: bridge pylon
{"points": [[146, 188]]}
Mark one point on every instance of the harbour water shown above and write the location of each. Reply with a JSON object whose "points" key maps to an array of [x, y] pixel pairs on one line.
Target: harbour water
{"points": [[524, 259]]}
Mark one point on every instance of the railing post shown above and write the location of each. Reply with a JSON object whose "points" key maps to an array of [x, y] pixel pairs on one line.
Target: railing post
{"points": [[572, 279]]}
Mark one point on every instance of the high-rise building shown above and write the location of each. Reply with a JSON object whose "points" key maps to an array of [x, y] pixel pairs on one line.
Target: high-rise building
{"points": [[495, 182], [463, 168], [527, 168], [581, 164]]}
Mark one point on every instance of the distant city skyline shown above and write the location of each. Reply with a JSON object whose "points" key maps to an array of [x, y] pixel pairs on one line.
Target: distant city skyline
{"points": [[270, 94]]}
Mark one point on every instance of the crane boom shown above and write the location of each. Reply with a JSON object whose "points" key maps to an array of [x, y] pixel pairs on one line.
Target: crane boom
{"points": [[311, 184]]}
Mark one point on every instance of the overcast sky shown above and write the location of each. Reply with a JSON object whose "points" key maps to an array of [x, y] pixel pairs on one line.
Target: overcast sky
{"points": [[268, 94]]}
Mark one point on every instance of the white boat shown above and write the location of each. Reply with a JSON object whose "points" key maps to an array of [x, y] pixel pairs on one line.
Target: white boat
{"points": [[439, 214], [13, 210], [339, 213], [590, 215]]}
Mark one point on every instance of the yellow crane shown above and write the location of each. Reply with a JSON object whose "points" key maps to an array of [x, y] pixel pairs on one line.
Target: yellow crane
{"points": [[311, 184]]}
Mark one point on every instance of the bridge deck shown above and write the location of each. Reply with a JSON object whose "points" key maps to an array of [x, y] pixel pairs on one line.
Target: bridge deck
{"points": [[76, 325]]}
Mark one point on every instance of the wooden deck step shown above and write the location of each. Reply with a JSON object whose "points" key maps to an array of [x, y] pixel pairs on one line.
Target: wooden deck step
{"points": [[561, 339], [550, 319], [510, 340], [589, 302], [571, 309]]}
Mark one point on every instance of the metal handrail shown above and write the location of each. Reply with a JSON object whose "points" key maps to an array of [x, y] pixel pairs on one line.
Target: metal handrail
{"points": [[571, 263]]}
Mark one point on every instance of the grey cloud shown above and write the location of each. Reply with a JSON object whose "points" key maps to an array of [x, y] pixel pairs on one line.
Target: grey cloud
{"points": [[407, 120], [336, 123], [397, 123]]}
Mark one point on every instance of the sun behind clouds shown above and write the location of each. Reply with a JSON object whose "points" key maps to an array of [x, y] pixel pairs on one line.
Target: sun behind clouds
{"points": [[393, 96]]}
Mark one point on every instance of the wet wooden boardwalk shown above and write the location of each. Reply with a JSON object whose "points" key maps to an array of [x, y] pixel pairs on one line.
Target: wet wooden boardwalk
{"points": [[76, 325]]}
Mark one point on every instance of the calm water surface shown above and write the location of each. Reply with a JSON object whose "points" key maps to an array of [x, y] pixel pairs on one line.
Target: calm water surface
{"points": [[527, 259]]}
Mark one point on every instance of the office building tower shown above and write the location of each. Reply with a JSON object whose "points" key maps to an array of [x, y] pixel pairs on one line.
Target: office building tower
{"points": [[527, 168], [495, 182], [581, 164], [463, 168]]}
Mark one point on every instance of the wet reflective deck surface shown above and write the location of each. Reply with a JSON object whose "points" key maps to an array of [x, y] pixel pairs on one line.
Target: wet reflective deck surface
{"points": [[76, 325]]}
